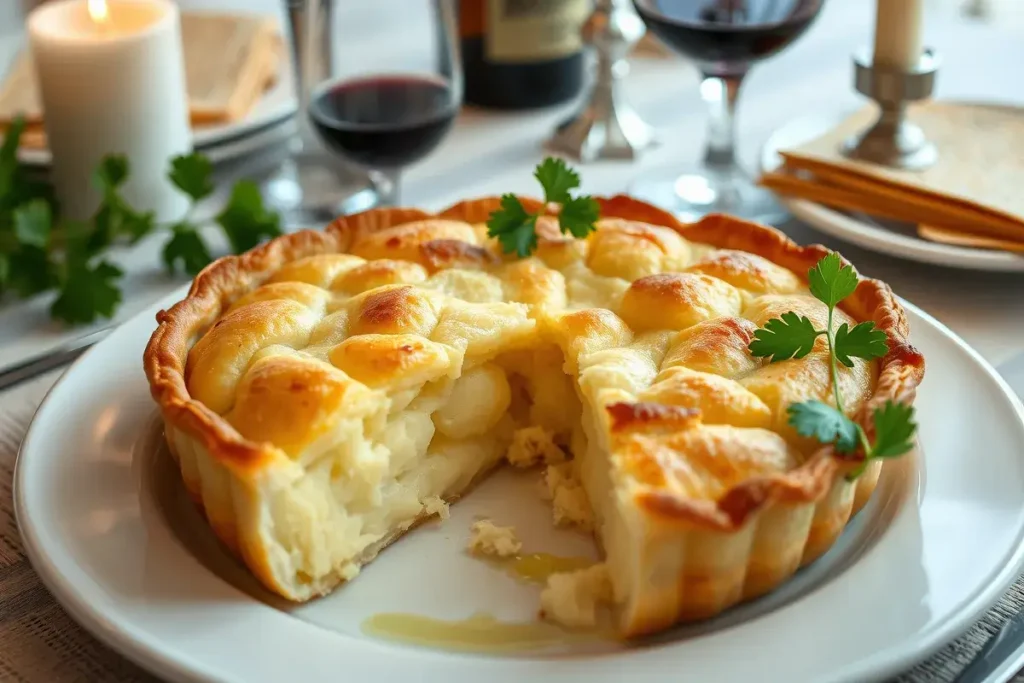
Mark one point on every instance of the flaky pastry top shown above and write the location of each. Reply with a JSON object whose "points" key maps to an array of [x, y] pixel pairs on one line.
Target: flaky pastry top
{"points": [[273, 348]]}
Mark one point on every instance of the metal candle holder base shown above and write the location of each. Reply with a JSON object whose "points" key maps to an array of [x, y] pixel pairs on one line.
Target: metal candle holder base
{"points": [[607, 127], [893, 140]]}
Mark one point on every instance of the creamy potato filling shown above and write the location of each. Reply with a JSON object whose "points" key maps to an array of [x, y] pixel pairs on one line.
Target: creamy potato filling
{"points": [[372, 479]]}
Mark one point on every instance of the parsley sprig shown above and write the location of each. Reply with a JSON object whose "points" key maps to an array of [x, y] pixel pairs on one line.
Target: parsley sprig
{"points": [[516, 229], [794, 336], [40, 251]]}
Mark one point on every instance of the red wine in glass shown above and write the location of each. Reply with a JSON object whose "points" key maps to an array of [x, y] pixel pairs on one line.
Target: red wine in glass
{"points": [[727, 35], [725, 38], [383, 122]]}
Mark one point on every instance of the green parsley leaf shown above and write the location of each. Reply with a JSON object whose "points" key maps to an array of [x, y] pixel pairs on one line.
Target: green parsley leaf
{"points": [[9, 155], [32, 223], [791, 336], [88, 293], [578, 216], [106, 224], [245, 221], [112, 172], [824, 423], [5, 271], [18, 185], [557, 179], [831, 281], [191, 173], [863, 340], [30, 271], [116, 219], [513, 227], [186, 247], [138, 225], [76, 239], [894, 430]]}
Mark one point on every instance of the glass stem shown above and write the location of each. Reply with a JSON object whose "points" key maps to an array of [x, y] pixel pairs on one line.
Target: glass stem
{"points": [[302, 16], [388, 185], [720, 94]]}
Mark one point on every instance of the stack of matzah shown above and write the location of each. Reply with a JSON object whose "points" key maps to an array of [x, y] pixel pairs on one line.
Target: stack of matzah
{"points": [[230, 61], [970, 197]]}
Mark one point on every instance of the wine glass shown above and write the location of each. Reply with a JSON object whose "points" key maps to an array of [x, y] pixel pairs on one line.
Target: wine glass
{"points": [[308, 185], [385, 110], [725, 38]]}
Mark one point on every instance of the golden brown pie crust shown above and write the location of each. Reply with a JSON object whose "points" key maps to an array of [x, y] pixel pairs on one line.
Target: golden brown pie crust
{"points": [[224, 281]]}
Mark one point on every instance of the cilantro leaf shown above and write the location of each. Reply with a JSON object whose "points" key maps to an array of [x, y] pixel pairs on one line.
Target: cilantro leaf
{"points": [[863, 340], [830, 281], [557, 179], [88, 293], [186, 247], [112, 172], [513, 227], [578, 216], [32, 223], [824, 423], [894, 430], [191, 173], [245, 220], [30, 271], [791, 336]]}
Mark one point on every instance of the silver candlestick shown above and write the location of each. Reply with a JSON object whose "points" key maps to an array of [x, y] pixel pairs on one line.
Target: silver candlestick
{"points": [[893, 140], [607, 127]]}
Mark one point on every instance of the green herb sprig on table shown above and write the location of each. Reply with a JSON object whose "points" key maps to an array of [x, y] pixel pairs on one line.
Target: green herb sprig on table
{"points": [[40, 251], [794, 336], [516, 229]]}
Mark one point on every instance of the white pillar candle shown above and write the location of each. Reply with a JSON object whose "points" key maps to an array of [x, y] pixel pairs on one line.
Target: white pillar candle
{"points": [[112, 81], [898, 33]]}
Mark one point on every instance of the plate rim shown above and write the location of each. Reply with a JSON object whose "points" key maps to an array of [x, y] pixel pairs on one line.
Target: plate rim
{"points": [[145, 652], [879, 240]]}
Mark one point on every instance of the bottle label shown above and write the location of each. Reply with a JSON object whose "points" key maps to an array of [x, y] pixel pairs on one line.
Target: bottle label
{"points": [[533, 30]]}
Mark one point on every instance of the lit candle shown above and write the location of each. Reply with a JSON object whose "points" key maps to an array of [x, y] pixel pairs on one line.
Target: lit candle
{"points": [[112, 81], [898, 34]]}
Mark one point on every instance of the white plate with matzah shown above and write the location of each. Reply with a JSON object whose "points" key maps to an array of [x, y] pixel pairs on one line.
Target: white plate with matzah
{"points": [[884, 236], [111, 531]]}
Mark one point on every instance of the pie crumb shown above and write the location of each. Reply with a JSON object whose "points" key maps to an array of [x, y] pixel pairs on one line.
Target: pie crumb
{"points": [[573, 598], [434, 505], [532, 446], [569, 500], [490, 539]]}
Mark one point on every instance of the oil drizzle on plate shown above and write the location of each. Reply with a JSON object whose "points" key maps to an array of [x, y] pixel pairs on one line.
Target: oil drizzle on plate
{"points": [[537, 567], [480, 632]]}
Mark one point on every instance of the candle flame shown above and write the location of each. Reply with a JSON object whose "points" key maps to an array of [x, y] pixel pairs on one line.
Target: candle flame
{"points": [[98, 11]]}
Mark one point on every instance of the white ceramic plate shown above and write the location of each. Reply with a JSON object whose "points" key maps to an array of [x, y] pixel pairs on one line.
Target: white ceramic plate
{"points": [[888, 237], [111, 532]]}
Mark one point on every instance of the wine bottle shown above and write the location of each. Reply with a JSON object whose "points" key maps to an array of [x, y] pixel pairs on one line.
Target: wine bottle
{"points": [[521, 54]]}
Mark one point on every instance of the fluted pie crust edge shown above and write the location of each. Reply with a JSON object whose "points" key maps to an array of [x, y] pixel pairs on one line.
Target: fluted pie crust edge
{"points": [[809, 505]]}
